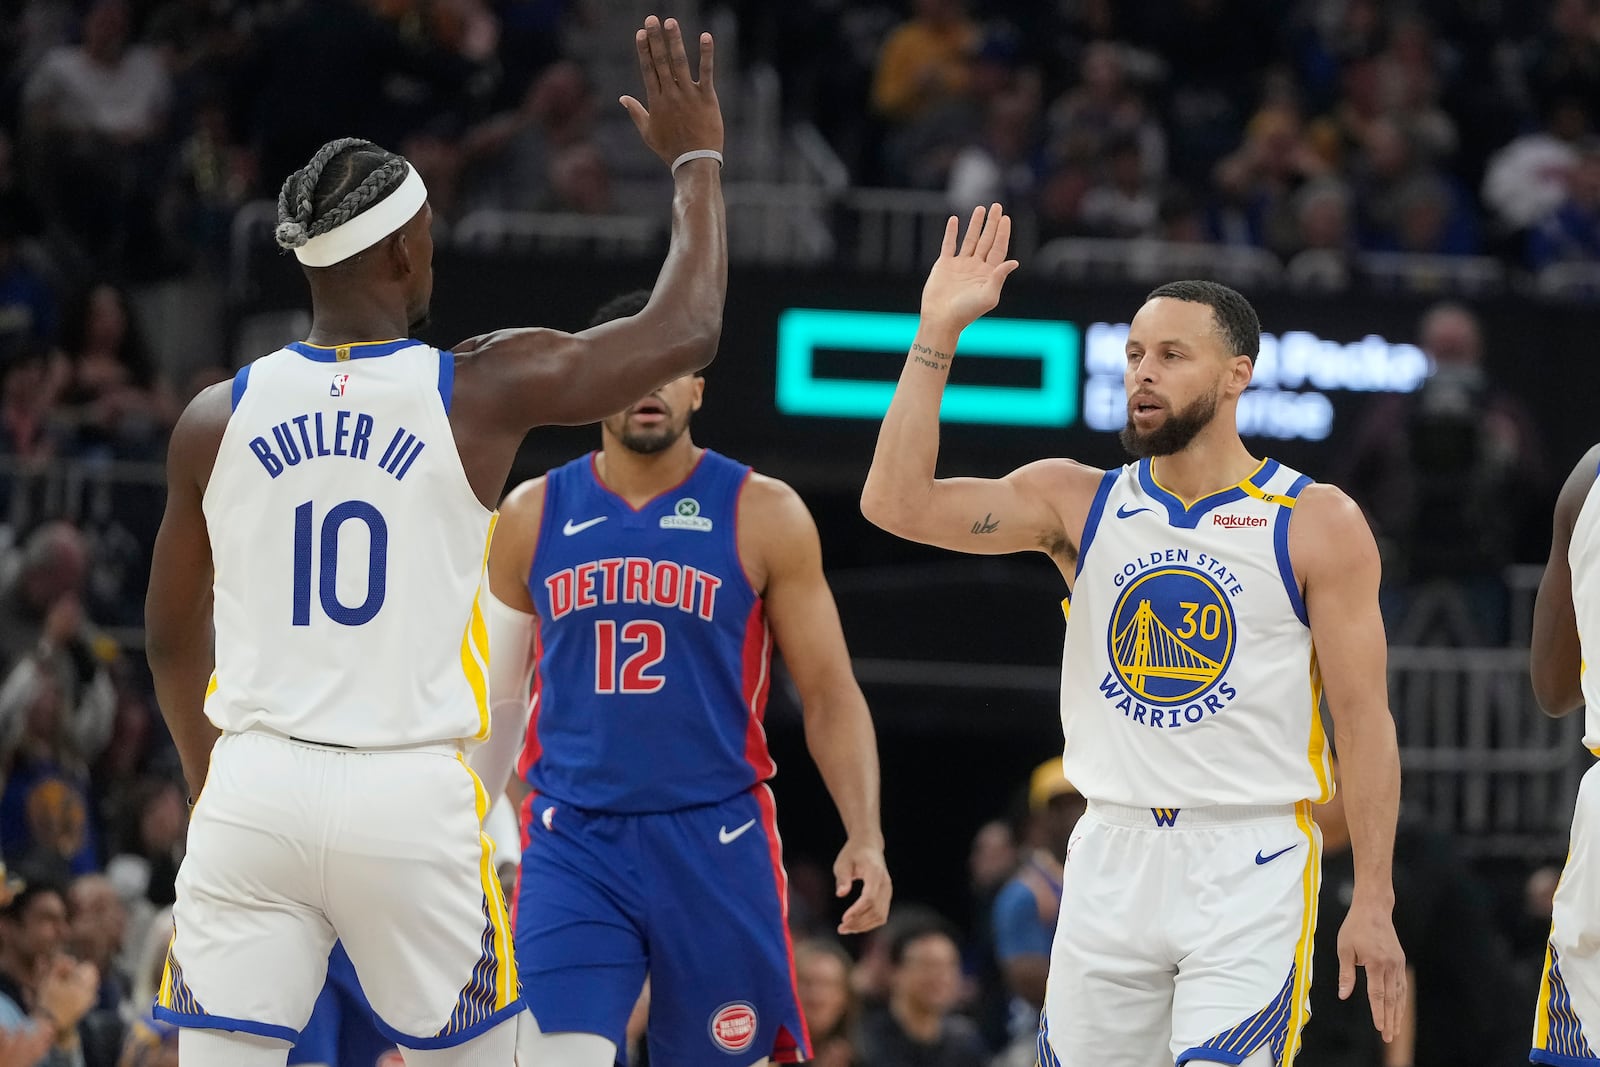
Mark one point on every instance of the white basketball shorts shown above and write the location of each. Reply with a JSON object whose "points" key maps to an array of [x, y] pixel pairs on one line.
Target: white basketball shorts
{"points": [[1185, 935], [1567, 1020], [292, 845]]}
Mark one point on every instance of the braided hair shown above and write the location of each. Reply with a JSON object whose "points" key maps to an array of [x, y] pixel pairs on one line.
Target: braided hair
{"points": [[343, 179]]}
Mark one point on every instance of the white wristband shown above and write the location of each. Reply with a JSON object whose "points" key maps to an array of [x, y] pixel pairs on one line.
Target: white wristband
{"points": [[699, 153]]}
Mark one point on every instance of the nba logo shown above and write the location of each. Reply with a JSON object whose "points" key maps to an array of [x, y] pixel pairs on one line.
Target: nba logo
{"points": [[339, 382]]}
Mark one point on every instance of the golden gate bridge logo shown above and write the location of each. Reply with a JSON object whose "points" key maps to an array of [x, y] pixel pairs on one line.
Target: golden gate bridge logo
{"points": [[1172, 635]]}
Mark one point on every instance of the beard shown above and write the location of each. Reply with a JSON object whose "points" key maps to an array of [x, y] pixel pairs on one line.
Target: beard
{"points": [[648, 442], [1174, 434]]}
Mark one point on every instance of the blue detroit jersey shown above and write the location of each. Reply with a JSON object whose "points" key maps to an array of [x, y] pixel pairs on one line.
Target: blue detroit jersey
{"points": [[653, 651]]}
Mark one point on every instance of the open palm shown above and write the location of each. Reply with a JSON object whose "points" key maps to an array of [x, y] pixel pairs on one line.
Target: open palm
{"points": [[965, 282]]}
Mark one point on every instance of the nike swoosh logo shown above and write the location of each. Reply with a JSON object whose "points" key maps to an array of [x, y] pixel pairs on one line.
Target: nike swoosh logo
{"points": [[578, 527], [727, 836], [1260, 859], [1124, 513]]}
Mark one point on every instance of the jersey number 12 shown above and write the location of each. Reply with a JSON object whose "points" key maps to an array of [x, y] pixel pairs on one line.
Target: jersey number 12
{"points": [[649, 635], [306, 553]]}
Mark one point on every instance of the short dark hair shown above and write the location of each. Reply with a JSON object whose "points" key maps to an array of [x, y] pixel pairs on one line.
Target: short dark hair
{"points": [[924, 924], [620, 306], [37, 882], [1236, 319]]}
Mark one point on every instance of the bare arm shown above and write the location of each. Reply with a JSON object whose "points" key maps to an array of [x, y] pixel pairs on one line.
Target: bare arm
{"points": [[1334, 550], [1020, 512], [805, 622], [1026, 977], [517, 379], [177, 610], [1554, 658]]}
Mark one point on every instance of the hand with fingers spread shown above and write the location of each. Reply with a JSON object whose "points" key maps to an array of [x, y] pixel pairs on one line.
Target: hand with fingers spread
{"points": [[965, 282], [1367, 940], [679, 113], [864, 863]]}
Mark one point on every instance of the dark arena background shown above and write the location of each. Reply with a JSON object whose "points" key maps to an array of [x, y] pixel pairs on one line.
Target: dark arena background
{"points": [[1408, 193]]}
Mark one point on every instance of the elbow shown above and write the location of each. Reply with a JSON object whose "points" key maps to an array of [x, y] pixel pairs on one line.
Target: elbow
{"points": [[880, 509], [1555, 699]]}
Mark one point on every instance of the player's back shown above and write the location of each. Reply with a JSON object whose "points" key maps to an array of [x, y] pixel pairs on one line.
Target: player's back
{"points": [[349, 549], [1583, 555], [652, 674]]}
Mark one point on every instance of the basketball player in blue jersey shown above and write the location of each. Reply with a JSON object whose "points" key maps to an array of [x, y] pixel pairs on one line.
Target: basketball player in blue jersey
{"points": [[1566, 633], [648, 583], [314, 600], [1214, 596]]}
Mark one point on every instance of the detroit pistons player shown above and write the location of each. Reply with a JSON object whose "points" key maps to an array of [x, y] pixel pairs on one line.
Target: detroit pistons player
{"points": [[660, 574]]}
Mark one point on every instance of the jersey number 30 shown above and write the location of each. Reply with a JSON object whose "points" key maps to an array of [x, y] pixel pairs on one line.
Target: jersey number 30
{"points": [[649, 635], [307, 557]]}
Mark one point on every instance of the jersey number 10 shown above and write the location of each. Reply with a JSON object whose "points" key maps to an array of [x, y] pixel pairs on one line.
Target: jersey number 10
{"points": [[305, 561]]}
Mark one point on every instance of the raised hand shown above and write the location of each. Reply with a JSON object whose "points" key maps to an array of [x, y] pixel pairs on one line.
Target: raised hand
{"points": [[965, 282], [679, 114]]}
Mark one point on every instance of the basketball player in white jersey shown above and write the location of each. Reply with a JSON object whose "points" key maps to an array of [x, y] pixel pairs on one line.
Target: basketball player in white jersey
{"points": [[1566, 634], [1214, 596], [328, 517]]}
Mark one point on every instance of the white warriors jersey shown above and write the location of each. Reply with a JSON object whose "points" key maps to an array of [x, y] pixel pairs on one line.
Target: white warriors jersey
{"points": [[349, 552], [1188, 676], [1583, 554]]}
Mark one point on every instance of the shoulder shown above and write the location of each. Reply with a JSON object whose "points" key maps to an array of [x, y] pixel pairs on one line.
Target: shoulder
{"points": [[198, 433], [523, 507], [771, 496], [1329, 529], [1057, 476], [1575, 490]]}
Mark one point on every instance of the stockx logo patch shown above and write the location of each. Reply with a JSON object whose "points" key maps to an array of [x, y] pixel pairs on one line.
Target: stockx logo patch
{"points": [[686, 516]]}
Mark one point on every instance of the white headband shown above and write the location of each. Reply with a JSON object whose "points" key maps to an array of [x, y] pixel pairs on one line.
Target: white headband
{"points": [[367, 228]]}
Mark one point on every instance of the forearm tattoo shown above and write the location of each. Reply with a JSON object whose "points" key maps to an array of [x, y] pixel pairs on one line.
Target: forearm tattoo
{"points": [[929, 357]]}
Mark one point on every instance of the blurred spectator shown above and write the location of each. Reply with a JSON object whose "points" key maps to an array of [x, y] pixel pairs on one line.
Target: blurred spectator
{"points": [[1323, 261], [1258, 182], [1527, 179], [45, 813], [27, 431], [371, 77], [1026, 909], [37, 976], [1564, 60], [822, 973], [93, 114], [27, 303], [1102, 112], [991, 862], [97, 930], [55, 656], [922, 89], [1571, 233], [509, 158], [113, 396], [1405, 203], [147, 848], [1444, 474], [919, 1027], [1126, 203], [1463, 1007], [1002, 165]]}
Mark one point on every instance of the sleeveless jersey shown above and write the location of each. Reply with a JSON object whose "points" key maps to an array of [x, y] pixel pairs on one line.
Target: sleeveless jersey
{"points": [[1584, 557], [653, 649], [1188, 676], [349, 552]]}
